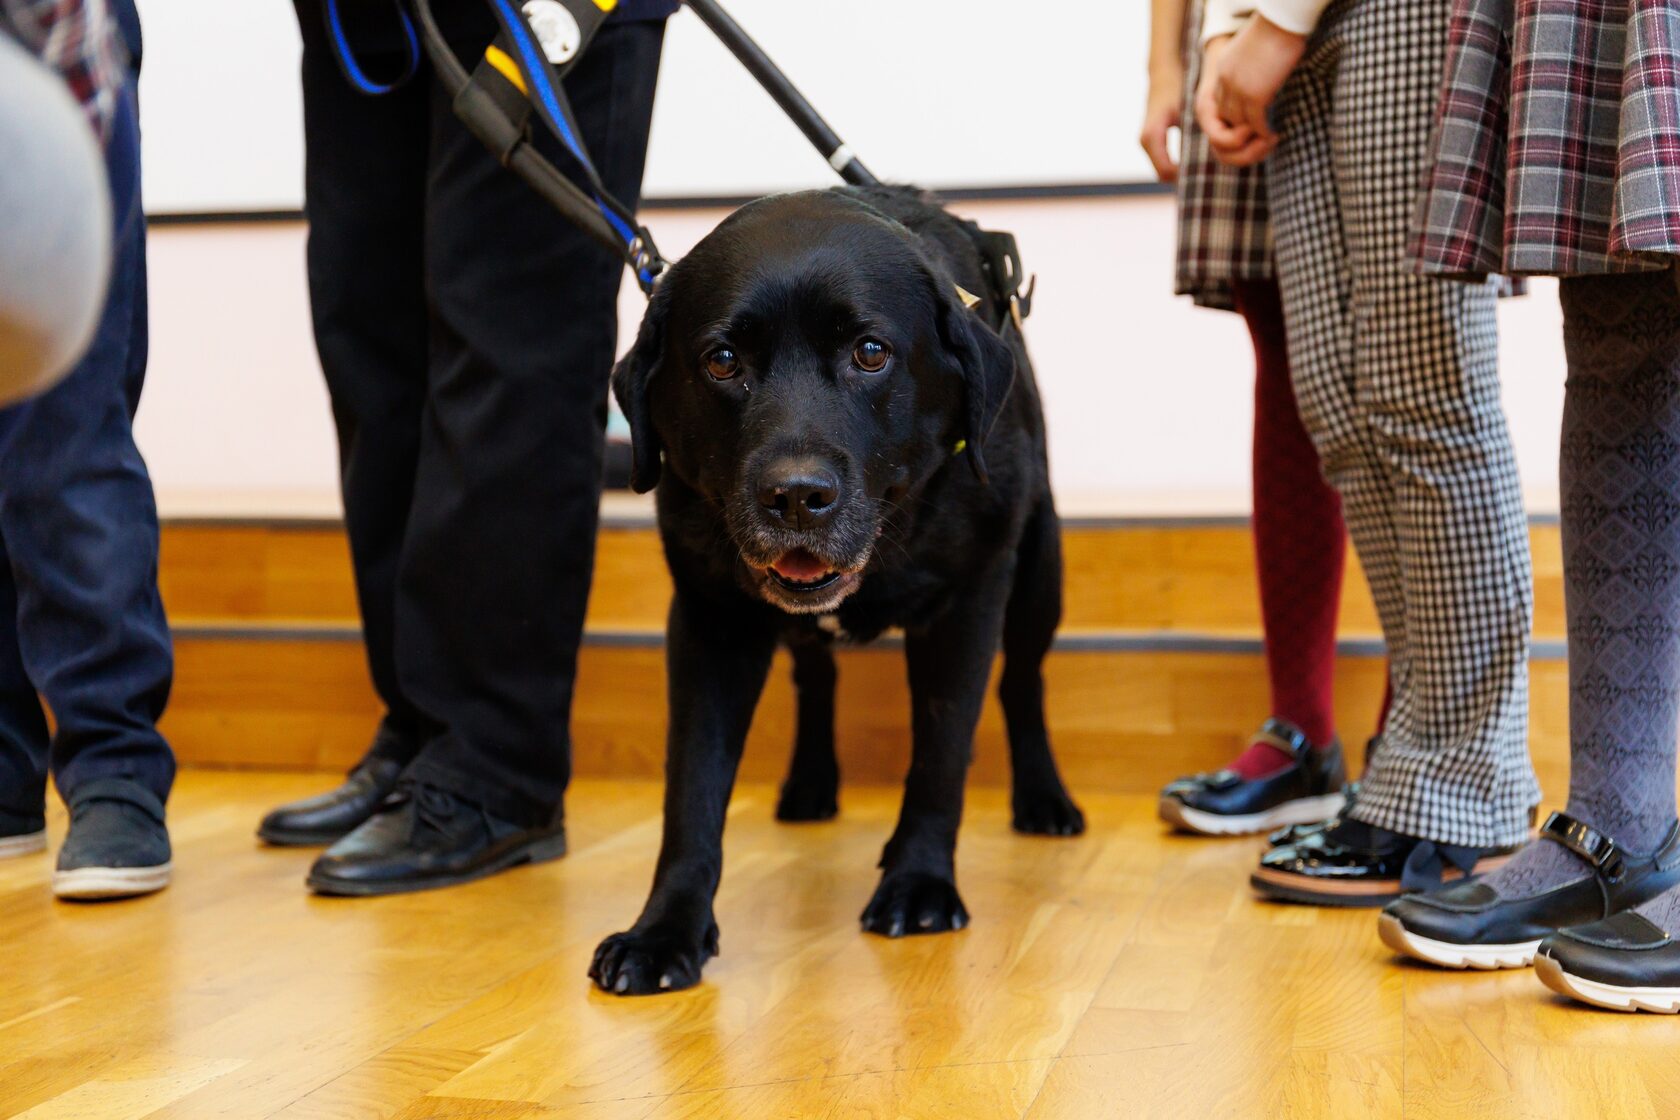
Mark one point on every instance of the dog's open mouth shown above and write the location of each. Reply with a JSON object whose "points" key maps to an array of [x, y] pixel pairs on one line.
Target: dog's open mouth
{"points": [[799, 571]]}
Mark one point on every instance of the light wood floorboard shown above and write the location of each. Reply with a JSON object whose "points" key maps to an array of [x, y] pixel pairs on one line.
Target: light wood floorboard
{"points": [[1126, 973]]}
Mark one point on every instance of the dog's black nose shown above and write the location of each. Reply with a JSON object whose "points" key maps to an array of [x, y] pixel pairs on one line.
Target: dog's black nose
{"points": [[798, 493]]}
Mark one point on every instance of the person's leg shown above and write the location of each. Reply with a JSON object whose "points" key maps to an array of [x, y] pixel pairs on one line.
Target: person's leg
{"points": [[1621, 566], [1286, 777], [500, 552], [80, 526], [364, 197], [24, 737], [1299, 540], [1621, 557], [497, 561], [1453, 767], [1395, 376]]}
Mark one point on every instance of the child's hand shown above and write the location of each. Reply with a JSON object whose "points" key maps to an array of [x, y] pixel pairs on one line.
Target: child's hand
{"points": [[1241, 75], [1160, 114]]}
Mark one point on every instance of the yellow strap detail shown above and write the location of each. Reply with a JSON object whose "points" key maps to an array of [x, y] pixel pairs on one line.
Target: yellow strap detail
{"points": [[606, 5], [961, 444], [505, 66]]}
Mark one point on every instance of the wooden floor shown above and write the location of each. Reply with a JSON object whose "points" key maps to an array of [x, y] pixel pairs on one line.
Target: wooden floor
{"points": [[1124, 974]]}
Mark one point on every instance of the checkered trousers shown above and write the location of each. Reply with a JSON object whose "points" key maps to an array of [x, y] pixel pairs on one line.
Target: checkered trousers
{"points": [[1557, 148], [1396, 376], [1223, 232]]}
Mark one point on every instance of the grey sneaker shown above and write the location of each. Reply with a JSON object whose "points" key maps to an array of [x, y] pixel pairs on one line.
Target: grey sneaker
{"points": [[117, 846], [21, 833]]}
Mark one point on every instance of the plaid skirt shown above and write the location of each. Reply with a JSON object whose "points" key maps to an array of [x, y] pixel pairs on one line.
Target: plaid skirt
{"points": [[1224, 233], [1557, 141]]}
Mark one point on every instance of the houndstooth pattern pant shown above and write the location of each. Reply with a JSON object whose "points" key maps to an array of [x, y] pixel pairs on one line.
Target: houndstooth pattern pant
{"points": [[1397, 379]]}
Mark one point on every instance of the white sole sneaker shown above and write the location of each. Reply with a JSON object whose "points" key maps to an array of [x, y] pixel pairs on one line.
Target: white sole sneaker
{"points": [[23, 845], [1663, 1001], [1519, 954], [1305, 810], [111, 882]]}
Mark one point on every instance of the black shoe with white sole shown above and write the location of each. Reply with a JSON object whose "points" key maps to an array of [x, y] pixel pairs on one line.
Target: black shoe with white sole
{"points": [[1307, 790], [21, 833], [117, 846], [1625, 963], [1470, 925]]}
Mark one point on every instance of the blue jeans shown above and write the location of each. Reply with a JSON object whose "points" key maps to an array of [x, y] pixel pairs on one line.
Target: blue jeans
{"points": [[81, 622]]}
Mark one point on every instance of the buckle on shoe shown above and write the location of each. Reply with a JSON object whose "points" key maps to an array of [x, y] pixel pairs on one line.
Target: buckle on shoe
{"points": [[1285, 737], [1587, 842]]}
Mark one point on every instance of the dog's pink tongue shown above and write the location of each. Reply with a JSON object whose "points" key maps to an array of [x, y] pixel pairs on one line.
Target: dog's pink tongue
{"points": [[800, 566]]}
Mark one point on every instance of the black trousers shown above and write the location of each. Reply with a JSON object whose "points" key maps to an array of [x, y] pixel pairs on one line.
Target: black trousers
{"points": [[466, 332]]}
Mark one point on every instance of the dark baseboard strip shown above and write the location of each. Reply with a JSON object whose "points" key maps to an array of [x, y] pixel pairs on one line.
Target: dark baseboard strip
{"points": [[656, 203], [627, 521], [1161, 642], [222, 217]]}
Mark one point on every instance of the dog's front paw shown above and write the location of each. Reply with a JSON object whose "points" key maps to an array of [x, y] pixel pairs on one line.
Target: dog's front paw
{"points": [[911, 902], [807, 800], [1047, 813], [654, 960]]}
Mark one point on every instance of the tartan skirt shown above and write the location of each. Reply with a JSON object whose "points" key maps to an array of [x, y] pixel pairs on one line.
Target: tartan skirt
{"points": [[1556, 148], [1224, 233]]}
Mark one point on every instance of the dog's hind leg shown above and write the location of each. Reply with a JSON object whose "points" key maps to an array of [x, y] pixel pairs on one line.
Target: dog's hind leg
{"points": [[949, 661], [1039, 800], [716, 662], [812, 789]]}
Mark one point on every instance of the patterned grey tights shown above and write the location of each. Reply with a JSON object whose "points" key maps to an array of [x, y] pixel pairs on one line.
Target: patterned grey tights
{"points": [[1620, 476]]}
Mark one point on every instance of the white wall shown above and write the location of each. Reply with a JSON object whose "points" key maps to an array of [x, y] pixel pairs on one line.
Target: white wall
{"points": [[1148, 397], [1004, 95]]}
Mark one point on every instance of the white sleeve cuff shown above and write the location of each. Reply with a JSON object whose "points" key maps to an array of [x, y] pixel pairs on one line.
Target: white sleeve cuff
{"points": [[1296, 16], [1224, 17]]}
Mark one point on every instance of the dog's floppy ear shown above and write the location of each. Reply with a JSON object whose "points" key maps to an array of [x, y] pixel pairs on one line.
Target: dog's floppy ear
{"points": [[631, 379], [987, 363]]}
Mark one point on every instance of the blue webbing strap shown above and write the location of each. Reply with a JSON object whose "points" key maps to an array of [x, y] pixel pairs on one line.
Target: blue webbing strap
{"points": [[347, 58], [545, 94], [556, 111]]}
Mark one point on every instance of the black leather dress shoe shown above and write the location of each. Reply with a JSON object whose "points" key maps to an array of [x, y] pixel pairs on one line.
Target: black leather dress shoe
{"points": [[1625, 962], [1227, 804], [424, 837], [328, 816], [1355, 864], [1468, 925]]}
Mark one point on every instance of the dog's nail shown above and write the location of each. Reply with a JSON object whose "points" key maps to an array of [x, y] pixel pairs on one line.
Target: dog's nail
{"points": [[665, 982], [623, 984], [958, 921], [897, 928], [925, 921]]}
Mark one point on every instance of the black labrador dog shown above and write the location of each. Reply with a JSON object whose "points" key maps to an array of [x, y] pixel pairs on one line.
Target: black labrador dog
{"points": [[842, 443]]}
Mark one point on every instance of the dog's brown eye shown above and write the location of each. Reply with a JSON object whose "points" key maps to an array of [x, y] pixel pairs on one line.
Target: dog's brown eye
{"points": [[722, 364], [871, 355]]}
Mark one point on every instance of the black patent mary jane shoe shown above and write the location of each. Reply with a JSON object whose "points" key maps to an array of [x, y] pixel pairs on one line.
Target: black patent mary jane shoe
{"points": [[1224, 803]]}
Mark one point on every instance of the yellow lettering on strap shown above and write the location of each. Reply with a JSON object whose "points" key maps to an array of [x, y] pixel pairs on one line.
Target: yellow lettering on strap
{"points": [[505, 66]]}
